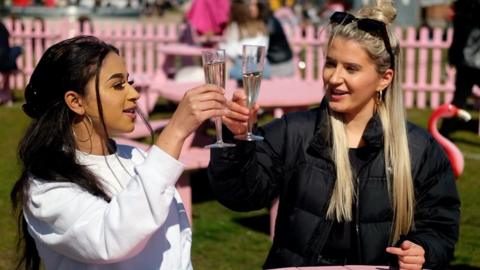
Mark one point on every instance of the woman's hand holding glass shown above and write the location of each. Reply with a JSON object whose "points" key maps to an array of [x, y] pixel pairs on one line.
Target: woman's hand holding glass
{"points": [[238, 114], [214, 69], [253, 60], [198, 104]]}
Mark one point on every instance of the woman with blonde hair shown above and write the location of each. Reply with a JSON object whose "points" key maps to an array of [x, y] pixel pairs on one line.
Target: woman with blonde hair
{"points": [[357, 184]]}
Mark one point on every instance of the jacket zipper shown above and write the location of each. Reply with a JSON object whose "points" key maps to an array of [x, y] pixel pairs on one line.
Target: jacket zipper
{"points": [[357, 207], [357, 219]]}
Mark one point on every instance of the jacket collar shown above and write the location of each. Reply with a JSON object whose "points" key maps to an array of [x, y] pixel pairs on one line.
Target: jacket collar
{"points": [[373, 134], [322, 141]]}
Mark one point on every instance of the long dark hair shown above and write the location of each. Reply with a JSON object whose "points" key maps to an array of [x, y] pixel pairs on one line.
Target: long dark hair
{"points": [[47, 149]]}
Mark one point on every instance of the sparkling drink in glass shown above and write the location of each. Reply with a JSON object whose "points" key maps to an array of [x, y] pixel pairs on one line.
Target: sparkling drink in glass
{"points": [[214, 69], [253, 59]]}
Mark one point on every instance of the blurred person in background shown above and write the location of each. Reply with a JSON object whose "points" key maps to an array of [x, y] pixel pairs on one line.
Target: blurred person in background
{"points": [[8, 63], [246, 26], [208, 17], [464, 55], [279, 53], [205, 22]]}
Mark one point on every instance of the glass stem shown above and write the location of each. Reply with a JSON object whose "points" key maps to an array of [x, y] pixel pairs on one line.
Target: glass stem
{"points": [[218, 128], [250, 125]]}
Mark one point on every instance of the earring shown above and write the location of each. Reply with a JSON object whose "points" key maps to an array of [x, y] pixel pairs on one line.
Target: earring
{"points": [[89, 131], [379, 99]]}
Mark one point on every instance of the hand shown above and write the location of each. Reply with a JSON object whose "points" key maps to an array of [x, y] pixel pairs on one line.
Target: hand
{"points": [[236, 118], [410, 255], [197, 105]]}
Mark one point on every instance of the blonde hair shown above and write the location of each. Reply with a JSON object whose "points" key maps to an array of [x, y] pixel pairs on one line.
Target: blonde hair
{"points": [[392, 115]]}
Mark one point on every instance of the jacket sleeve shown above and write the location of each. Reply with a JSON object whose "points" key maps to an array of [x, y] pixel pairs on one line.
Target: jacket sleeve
{"points": [[437, 213], [247, 177], [88, 229]]}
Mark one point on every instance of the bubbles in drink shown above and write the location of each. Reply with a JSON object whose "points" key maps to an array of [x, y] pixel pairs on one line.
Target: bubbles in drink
{"points": [[251, 84], [215, 73]]}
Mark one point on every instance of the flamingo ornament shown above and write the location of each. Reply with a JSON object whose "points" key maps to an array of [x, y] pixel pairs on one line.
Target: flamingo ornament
{"points": [[453, 153]]}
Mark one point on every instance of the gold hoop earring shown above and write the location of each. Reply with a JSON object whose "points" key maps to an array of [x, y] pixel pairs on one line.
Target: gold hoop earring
{"points": [[89, 131], [379, 99]]}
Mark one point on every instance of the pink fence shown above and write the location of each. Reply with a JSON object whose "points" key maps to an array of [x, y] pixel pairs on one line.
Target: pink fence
{"points": [[427, 80], [137, 41]]}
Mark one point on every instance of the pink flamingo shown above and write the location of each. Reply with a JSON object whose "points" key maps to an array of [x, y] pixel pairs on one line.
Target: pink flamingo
{"points": [[453, 153]]}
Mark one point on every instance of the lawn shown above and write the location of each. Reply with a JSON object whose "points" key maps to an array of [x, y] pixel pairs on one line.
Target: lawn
{"points": [[224, 239]]}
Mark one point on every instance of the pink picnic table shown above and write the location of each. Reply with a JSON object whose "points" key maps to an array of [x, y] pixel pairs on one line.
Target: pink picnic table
{"points": [[279, 94], [274, 93]]}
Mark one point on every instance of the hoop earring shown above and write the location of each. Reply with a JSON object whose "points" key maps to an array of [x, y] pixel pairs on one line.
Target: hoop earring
{"points": [[379, 99], [89, 131]]}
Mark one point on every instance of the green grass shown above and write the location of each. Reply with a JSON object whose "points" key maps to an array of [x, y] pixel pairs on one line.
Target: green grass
{"points": [[223, 239], [13, 123]]}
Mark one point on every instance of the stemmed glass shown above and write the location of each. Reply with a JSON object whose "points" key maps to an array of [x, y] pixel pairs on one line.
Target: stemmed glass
{"points": [[214, 68], [253, 59]]}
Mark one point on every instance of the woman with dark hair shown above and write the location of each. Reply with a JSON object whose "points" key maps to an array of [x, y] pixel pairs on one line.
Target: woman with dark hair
{"points": [[86, 202]]}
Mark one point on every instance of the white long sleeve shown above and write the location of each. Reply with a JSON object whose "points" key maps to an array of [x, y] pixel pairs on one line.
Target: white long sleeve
{"points": [[144, 226]]}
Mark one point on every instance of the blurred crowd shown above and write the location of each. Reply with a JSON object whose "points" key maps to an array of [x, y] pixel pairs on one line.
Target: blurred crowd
{"points": [[146, 5], [430, 13]]}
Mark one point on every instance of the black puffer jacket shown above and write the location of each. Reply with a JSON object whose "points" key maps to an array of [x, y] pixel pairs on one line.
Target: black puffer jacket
{"points": [[294, 162]]}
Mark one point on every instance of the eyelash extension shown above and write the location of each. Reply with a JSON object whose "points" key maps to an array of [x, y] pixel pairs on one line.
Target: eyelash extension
{"points": [[122, 84], [119, 86], [330, 63]]}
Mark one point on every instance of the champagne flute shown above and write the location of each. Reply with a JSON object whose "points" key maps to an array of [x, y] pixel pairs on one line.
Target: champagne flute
{"points": [[253, 59], [214, 68]]}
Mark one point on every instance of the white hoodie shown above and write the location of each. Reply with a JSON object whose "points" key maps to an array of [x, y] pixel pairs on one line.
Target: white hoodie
{"points": [[144, 226]]}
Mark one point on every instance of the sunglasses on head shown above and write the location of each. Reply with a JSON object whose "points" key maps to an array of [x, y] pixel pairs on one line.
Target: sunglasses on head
{"points": [[374, 27]]}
